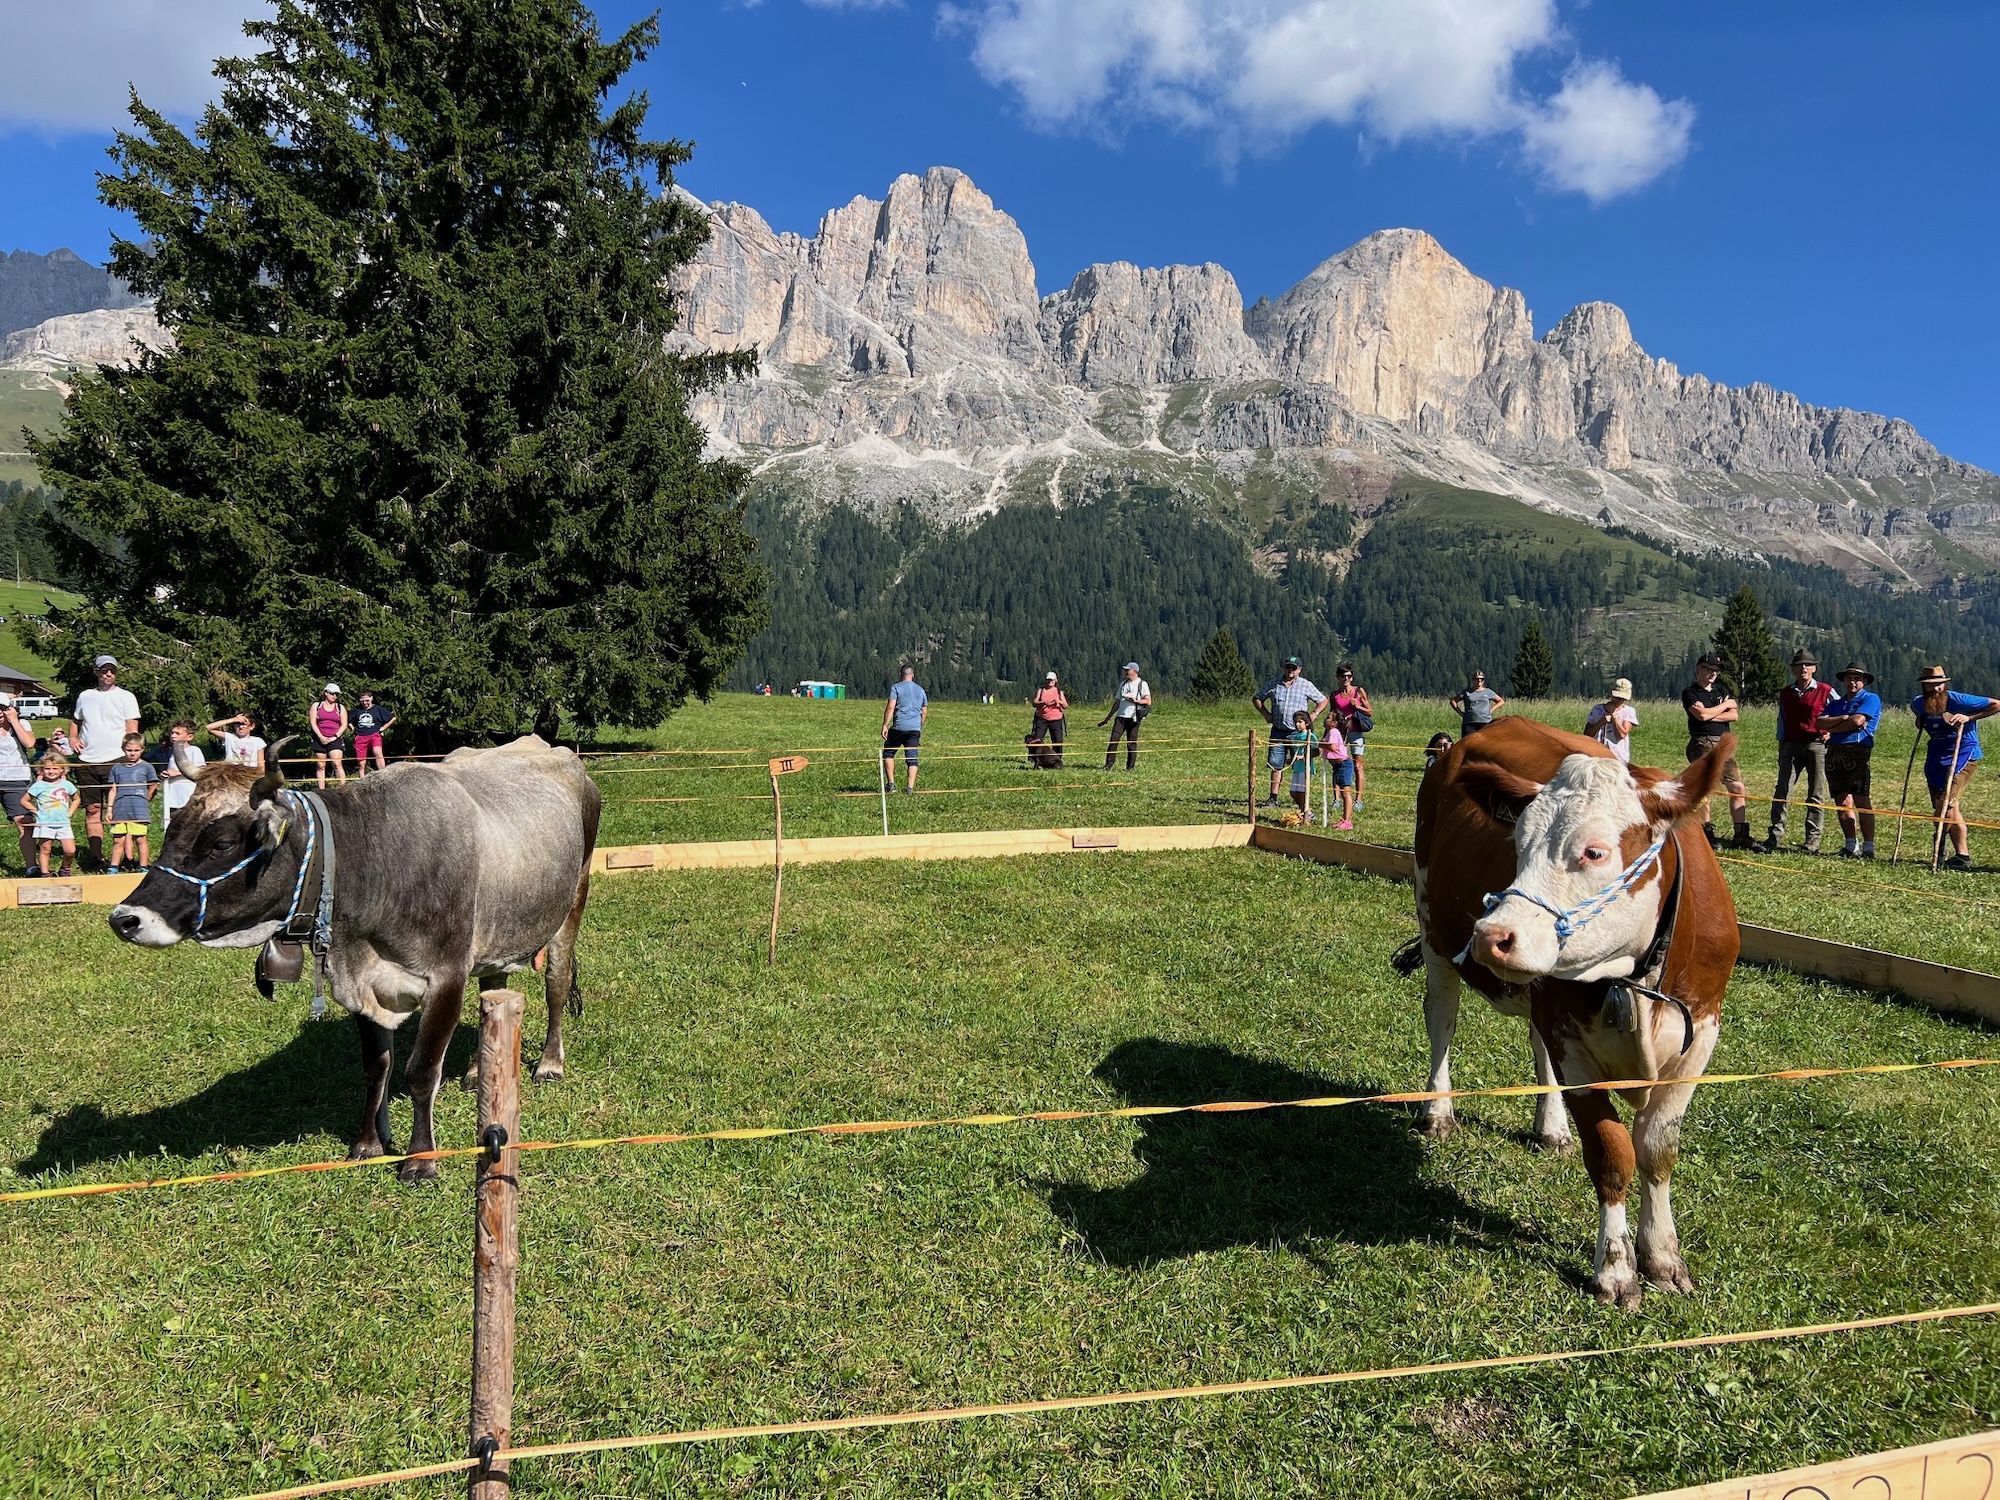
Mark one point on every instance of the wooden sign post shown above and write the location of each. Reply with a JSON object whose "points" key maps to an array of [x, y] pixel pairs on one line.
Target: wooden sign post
{"points": [[496, 1250], [781, 765]]}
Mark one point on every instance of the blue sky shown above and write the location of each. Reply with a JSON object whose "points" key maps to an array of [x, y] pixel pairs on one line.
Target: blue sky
{"points": [[1803, 194]]}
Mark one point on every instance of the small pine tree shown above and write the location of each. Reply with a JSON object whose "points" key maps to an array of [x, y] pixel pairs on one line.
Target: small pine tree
{"points": [[1750, 664], [1534, 674], [1222, 673]]}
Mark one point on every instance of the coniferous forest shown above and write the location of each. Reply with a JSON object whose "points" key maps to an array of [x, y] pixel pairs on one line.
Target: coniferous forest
{"points": [[1443, 581]]}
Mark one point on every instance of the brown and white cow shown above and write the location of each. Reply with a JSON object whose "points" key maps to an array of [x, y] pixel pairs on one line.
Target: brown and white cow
{"points": [[1553, 879]]}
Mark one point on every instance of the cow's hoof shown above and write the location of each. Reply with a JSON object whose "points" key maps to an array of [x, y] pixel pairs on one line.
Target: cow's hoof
{"points": [[1669, 1275], [1554, 1145], [1623, 1295], [1437, 1124], [417, 1173], [548, 1072], [369, 1150], [470, 1082]]}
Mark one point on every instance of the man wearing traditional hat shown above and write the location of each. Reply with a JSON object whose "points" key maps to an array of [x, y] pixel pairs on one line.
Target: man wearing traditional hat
{"points": [[1850, 722], [1801, 747], [1711, 708], [1951, 721]]}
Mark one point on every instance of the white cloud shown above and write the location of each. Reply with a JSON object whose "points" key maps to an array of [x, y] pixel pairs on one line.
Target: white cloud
{"points": [[70, 62], [1248, 69], [1602, 135]]}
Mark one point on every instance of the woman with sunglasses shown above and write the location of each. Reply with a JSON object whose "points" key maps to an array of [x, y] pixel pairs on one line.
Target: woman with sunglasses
{"points": [[1356, 716]]}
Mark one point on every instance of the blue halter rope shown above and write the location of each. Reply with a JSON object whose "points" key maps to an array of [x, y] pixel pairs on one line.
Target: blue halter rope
{"points": [[201, 884], [1574, 919]]}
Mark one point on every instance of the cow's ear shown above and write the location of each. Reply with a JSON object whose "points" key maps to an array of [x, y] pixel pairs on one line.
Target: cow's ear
{"points": [[271, 820], [1667, 800], [1502, 792]]}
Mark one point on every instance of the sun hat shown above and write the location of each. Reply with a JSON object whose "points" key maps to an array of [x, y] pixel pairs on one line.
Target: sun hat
{"points": [[1933, 676], [1622, 688], [333, 688], [1804, 658], [104, 661], [1855, 669]]}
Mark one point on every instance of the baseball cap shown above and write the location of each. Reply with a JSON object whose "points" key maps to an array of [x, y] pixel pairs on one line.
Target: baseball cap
{"points": [[1131, 666], [1293, 661], [1711, 660], [104, 661], [1051, 677], [333, 688]]}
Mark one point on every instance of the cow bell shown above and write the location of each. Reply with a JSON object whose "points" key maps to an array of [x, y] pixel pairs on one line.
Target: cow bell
{"points": [[279, 962]]}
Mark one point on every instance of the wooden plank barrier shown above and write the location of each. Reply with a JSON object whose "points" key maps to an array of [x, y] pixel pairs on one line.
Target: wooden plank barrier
{"points": [[747, 854], [1957, 1469]]}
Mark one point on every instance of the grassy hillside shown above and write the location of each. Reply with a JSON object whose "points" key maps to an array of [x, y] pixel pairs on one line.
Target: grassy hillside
{"points": [[25, 401], [28, 599]]}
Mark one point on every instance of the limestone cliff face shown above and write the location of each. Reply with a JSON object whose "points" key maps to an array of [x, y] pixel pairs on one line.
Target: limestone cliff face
{"points": [[904, 355], [1120, 325], [106, 336]]}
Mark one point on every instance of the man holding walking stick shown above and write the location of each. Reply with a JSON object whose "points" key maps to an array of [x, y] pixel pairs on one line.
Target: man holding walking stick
{"points": [[1950, 720], [1850, 721], [1801, 748]]}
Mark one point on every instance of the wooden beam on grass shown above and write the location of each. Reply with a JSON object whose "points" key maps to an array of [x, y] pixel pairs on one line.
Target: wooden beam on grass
{"points": [[1940, 986], [1956, 1469]]}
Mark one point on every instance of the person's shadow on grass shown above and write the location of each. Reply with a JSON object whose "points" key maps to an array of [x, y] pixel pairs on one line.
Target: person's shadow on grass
{"points": [[310, 1086], [1353, 1173]]}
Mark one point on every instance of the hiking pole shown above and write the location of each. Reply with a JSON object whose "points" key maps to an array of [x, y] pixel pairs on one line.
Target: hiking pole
{"points": [[1944, 810], [1903, 808]]}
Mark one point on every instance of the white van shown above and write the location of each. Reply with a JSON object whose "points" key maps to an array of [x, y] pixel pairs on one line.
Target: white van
{"points": [[35, 707]]}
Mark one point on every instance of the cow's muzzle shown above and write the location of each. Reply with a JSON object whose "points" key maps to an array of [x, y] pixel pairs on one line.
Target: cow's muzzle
{"points": [[143, 926], [1514, 945]]}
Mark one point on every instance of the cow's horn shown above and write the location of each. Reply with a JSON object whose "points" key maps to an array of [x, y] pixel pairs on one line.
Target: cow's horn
{"points": [[186, 764], [273, 780]]}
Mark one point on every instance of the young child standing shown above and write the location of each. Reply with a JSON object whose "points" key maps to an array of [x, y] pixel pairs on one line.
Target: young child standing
{"points": [[133, 782], [1303, 749], [1340, 766], [53, 799], [176, 791]]}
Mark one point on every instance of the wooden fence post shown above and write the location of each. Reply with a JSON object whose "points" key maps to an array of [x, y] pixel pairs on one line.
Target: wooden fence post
{"points": [[1250, 780], [496, 1250]]}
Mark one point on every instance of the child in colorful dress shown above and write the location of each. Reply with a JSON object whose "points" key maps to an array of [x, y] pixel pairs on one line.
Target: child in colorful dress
{"points": [[54, 799], [1340, 766], [1303, 748]]}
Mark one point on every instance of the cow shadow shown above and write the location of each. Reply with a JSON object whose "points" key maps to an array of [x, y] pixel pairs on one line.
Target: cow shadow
{"points": [[1272, 1177], [310, 1086]]}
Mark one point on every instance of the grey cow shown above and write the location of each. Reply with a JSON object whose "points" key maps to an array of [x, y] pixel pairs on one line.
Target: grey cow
{"points": [[468, 868]]}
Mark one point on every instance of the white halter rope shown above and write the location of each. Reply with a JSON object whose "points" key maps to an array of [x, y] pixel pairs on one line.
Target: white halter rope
{"points": [[1574, 919]]}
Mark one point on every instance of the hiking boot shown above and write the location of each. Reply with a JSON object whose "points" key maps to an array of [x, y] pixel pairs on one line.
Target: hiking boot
{"points": [[1769, 846], [1708, 832], [1743, 839], [1958, 862], [1268, 802]]}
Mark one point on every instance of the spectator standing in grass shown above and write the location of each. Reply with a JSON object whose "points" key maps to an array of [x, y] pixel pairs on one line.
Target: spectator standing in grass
{"points": [[133, 782], [241, 744], [1476, 705], [1304, 750], [1050, 723], [1951, 720], [175, 788], [328, 722], [54, 797], [1611, 722], [104, 715], [903, 726], [1850, 722], [1339, 757], [1356, 716], [1711, 708], [17, 749], [1133, 702], [1801, 747], [1439, 743], [371, 722], [1279, 702]]}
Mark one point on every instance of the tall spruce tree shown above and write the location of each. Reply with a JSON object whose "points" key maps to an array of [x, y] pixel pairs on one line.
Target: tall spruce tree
{"points": [[419, 428], [1750, 662], [1222, 673], [1534, 674]]}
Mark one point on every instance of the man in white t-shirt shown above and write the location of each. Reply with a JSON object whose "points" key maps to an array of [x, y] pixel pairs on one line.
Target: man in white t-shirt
{"points": [[1133, 702], [104, 715]]}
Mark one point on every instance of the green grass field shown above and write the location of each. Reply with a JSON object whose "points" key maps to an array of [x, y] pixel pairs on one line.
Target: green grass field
{"points": [[26, 400], [212, 1341], [28, 598]]}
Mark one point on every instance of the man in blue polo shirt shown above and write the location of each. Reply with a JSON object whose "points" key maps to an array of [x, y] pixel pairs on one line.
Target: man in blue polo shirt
{"points": [[903, 726], [1293, 693], [1850, 722]]}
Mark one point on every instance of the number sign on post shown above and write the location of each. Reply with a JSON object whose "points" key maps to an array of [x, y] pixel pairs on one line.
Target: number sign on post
{"points": [[781, 765]]}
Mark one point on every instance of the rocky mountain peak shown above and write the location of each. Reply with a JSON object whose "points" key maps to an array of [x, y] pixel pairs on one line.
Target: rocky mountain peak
{"points": [[1590, 334]]}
